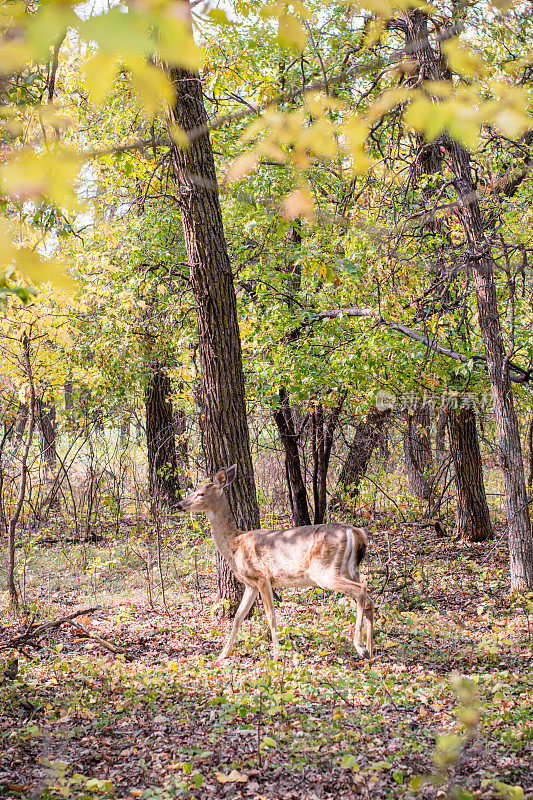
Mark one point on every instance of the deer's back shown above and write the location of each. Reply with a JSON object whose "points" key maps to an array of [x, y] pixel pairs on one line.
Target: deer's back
{"points": [[286, 555]]}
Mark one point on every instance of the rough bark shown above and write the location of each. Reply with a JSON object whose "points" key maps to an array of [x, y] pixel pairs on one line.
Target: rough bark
{"points": [[323, 427], [20, 424], [45, 409], [530, 454], [13, 520], [417, 451], [440, 437], [472, 513], [479, 260], [162, 462], [284, 420], [283, 415], [225, 434], [46, 418], [368, 435], [319, 465], [68, 391]]}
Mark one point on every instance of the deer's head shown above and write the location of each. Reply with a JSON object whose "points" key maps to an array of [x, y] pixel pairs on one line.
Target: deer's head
{"points": [[207, 495]]}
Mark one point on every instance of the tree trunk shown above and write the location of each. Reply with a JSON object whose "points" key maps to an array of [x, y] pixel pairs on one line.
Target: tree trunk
{"points": [[319, 465], [440, 438], [162, 463], [472, 513], [417, 451], [45, 408], [224, 425], [479, 260], [68, 394], [46, 418], [323, 431], [13, 520], [125, 431], [283, 418], [20, 424], [530, 454], [367, 436]]}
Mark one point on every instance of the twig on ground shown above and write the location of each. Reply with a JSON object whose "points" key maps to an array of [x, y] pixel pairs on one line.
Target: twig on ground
{"points": [[29, 637], [107, 645]]}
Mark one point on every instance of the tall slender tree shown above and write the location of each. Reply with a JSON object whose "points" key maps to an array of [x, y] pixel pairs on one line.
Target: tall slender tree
{"points": [[224, 425], [480, 263]]}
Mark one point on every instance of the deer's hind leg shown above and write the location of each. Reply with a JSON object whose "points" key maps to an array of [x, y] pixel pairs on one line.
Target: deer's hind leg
{"points": [[353, 588], [369, 625], [358, 592]]}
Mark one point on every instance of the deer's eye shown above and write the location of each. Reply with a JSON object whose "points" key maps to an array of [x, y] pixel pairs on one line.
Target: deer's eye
{"points": [[201, 494]]}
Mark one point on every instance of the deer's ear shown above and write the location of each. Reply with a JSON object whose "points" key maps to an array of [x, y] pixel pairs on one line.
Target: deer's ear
{"points": [[230, 474], [220, 479]]}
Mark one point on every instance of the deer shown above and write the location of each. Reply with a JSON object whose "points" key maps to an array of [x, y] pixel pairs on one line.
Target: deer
{"points": [[327, 556]]}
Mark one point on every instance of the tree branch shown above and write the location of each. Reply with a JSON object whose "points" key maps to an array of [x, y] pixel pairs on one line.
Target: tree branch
{"points": [[517, 373]]}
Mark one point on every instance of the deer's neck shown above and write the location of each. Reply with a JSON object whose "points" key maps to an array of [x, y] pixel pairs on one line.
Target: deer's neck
{"points": [[224, 529]]}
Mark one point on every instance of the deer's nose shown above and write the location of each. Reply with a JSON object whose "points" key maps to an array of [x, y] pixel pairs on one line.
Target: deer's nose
{"points": [[179, 506]]}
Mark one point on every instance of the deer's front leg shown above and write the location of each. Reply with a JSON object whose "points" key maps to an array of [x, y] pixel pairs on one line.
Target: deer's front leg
{"points": [[244, 606], [265, 588]]}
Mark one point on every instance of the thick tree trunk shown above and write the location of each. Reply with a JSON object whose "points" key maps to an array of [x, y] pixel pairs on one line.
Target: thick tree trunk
{"points": [[367, 436], [162, 463], [46, 418], [417, 451], [283, 418], [472, 513], [440, 438], [224, 425], [479, 260]]}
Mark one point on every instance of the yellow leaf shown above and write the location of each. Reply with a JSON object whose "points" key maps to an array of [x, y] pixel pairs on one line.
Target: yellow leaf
{"points": [[318, 137], [462, 60], [178, 136], [388, 100], [152, 85], [33, 176], [175, 43], [242, 166], [355, 133], [271, 150], [13, 56], [298, 203], [99, 75], [291, 32], [233, 777]]}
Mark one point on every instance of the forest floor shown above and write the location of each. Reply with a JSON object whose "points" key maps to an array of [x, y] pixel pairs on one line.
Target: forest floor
{"points": [[445, 709]]}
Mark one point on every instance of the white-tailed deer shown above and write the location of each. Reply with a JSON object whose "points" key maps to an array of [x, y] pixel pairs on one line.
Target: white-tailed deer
{"points": [[314, 555]]}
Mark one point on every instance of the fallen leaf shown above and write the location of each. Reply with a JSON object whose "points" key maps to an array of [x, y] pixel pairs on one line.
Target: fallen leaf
{"points": [[233, 777]]}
